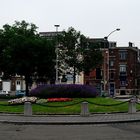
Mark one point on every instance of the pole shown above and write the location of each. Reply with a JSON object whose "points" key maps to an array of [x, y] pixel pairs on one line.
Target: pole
{"points": [[56, 51], [106, 61]]}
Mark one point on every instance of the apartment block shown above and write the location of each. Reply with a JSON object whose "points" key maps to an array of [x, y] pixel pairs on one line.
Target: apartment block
{"points": [[123, 70], [119, 73]]}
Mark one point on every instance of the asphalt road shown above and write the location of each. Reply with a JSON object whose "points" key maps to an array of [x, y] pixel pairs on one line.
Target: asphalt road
{"points": [[123, 131]]}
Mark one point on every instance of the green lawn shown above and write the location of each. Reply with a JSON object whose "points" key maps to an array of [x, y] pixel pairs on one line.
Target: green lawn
{"points": [[71, 107]]}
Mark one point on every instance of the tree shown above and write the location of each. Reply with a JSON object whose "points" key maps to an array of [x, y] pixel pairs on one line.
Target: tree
{"points": [[76, 53], [92, 57], [25, 53]]}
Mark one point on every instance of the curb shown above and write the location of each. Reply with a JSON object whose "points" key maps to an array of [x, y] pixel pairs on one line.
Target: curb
{"points": [[67, 122], [20, 119]]}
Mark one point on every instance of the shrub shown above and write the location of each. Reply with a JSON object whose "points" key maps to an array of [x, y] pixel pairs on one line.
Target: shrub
{"points": [[41, 101], [64, 91]]}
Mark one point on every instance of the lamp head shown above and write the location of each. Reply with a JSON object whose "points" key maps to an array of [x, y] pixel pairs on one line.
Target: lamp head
{"points": [[118, 29], [56, 25]]}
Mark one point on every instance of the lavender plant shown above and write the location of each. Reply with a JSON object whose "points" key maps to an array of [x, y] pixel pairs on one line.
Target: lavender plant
{"points": [[61, 90]]}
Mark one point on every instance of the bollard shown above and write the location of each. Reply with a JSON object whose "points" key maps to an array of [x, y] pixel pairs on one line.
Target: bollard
{"points": [[132, 106], [27, 109], [84, 109]]}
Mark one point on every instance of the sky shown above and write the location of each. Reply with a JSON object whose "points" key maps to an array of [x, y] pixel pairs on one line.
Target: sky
{"points": [[93, 18]]}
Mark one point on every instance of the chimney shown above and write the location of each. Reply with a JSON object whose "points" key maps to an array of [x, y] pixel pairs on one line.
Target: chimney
{"points": [[130, 44]]}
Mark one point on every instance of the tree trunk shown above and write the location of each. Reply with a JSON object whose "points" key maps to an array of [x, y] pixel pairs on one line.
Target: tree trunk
{"points": [[27, 84], [74, 75]]}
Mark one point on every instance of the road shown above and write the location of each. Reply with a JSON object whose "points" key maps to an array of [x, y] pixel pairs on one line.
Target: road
{"points": [[123, 131]]}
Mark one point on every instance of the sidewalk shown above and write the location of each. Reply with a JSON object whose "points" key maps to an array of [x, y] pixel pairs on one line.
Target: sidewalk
{"points": [[70, 119]]}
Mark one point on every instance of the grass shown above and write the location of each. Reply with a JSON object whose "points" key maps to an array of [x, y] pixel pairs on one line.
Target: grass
{"points": [[68, 107], [5, 108]]}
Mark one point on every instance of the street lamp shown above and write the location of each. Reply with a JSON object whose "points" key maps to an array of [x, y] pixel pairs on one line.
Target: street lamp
{"points": [[106, 61], [56, 51], [106, 37]]}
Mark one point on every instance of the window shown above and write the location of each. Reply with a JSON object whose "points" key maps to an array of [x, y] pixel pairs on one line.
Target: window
{"points": [[122, 68], [123, 55], [123, 83], [112, 75], [98, 73], [111, 63], [18, 82]]}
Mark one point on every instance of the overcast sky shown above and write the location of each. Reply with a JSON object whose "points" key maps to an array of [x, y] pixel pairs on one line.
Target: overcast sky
{"points": [[94, 18]]}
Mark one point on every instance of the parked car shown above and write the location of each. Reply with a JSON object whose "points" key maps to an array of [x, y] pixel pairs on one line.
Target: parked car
{"points": [[20, 93], [4, 93]]}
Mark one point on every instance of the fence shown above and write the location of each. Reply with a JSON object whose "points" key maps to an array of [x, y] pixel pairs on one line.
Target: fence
{"points": [[84, 106]]}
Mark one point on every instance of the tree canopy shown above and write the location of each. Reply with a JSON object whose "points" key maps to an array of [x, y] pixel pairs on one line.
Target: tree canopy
{"points": [[25, 53], [76, 53]]}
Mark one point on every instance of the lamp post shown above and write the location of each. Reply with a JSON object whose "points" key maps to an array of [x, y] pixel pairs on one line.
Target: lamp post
{"points": [[56, 51], [106, 37], [106, 61]]}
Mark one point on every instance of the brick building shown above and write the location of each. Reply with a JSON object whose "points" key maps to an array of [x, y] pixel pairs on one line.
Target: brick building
{"points": [[99, 77], [123, 70], [119, 73]]}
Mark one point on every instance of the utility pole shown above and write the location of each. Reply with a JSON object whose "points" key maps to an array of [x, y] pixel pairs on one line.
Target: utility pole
{"points": [[56, 51], [106, 62]]}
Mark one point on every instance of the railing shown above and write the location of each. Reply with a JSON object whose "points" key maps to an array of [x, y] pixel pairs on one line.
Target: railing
{"points": [[85, 110], [84, 106]]}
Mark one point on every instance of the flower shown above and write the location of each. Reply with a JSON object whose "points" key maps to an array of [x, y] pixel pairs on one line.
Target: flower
{"points": [[22, 100], [58, 99]]}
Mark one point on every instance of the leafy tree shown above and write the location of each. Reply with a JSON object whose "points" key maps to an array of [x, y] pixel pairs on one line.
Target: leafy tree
{"points": [[76, 53], [92, 57], [25, 53]]}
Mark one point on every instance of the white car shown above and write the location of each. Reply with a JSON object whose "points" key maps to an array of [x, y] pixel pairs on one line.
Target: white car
{"points": [[6, 93]]}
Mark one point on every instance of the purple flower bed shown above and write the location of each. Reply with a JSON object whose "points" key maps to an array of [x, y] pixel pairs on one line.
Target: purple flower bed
{"points": [[64, 91]]}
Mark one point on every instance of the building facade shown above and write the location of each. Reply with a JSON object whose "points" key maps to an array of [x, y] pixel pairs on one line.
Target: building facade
{"points": [[123, 70], [119, 73]]}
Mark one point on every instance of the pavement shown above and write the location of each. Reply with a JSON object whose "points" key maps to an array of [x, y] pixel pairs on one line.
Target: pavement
{"points": [[70, 119]]}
